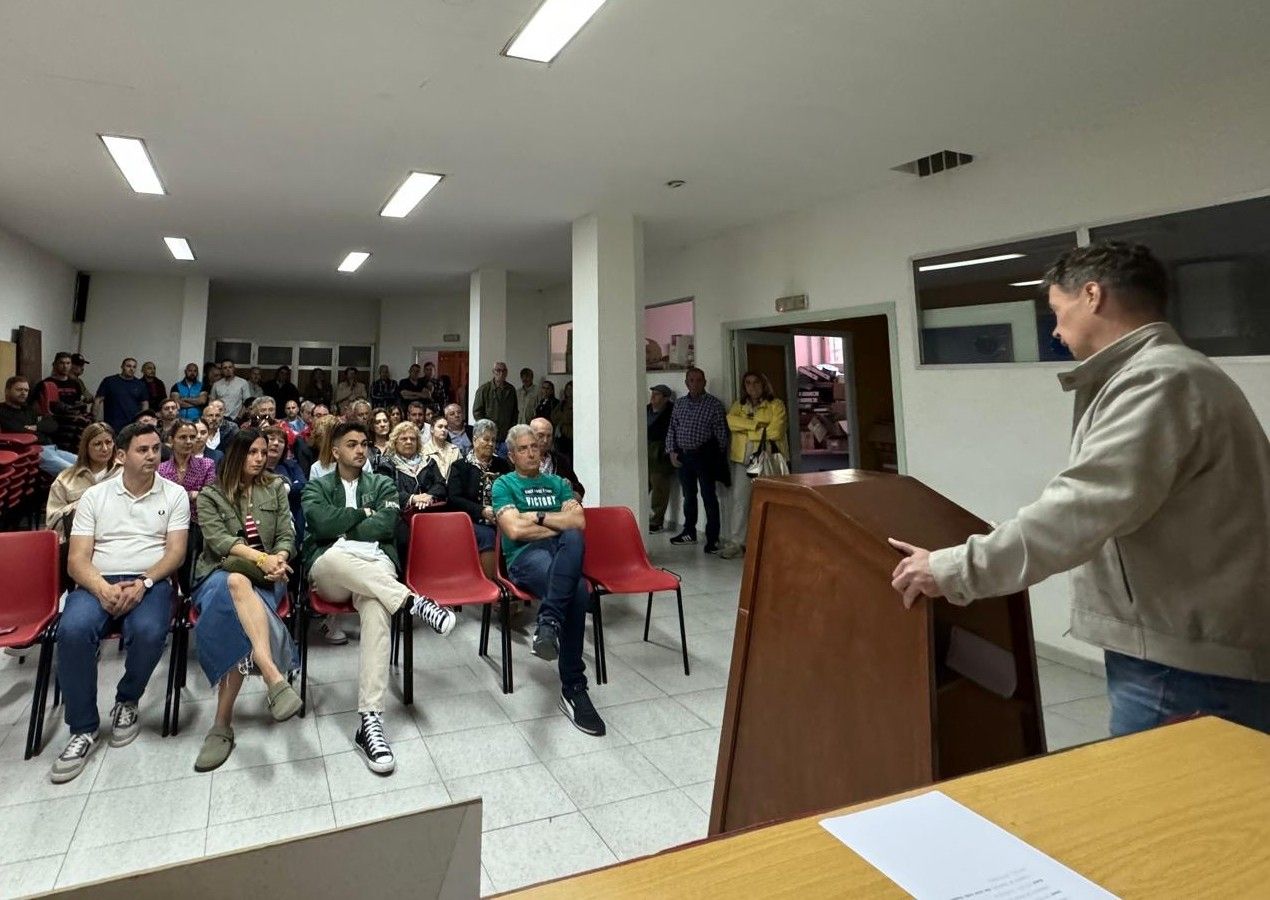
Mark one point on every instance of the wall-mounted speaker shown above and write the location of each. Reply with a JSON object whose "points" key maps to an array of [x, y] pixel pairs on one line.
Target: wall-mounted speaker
{"points": [[80, 309]]}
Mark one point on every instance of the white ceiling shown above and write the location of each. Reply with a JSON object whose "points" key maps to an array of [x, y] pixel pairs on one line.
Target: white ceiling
{"points": [[281, 126]]}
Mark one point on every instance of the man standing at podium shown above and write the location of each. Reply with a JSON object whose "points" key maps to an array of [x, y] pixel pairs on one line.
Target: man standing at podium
{"points": [[1163, 511]]}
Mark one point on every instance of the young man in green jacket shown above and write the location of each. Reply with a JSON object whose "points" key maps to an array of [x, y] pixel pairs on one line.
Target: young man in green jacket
{"points": [[350, 523], [1163, 511]]}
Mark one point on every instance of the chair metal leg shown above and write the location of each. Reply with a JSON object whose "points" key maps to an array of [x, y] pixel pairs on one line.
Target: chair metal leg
{"points": [[183, 635], [173, 662], [394, 637], [408, 675], [505, 618], [648, 615], [482, 648], [303, 624], [601, 660], [683, 634], [35, 728]]}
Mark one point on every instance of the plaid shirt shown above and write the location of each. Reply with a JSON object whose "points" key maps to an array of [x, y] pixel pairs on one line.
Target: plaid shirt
{"points": [[694, 421]]}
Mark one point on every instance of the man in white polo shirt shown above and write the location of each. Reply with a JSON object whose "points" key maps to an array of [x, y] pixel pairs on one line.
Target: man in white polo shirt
{"points": [[128, 538]]}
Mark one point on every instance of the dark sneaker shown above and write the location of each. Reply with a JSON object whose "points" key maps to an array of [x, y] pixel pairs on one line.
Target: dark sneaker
{"points": [[546, 641], [684, 537], [125, 724], [581, 712], [712, 549], [73, 759], [373, 745], [654, 529], [432, 614]]}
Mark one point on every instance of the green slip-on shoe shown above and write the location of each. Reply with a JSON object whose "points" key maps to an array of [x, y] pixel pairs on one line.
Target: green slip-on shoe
{"points": [[217, 746], [283, 701]]}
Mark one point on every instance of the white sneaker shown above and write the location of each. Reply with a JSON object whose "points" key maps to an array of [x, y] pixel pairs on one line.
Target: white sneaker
{"points": [[71, 761], [125, 724], [331, 632], [731, 550]]}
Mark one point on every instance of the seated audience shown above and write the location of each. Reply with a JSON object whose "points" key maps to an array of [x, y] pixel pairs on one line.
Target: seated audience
{"points": [[468, 489], [95, 462], [240, 578], [359, 411], [17, 417], [169, 415], [383, 392], [438, 448], [417, 415], [419, 483], [220, 429], [156, 389], [380, 430], [281, 389], [128, 539], [460, 432], [200, 446], [191, 472], [351, 520], [319, 389], [296, 418], [190, 393], [552, 461], [349, 388], [394, 417], [264, 411], [541, 524], [279, 462], [324, 464]]}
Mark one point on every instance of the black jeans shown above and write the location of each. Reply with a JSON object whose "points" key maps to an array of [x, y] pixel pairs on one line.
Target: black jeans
{"points": [[694, 469]]}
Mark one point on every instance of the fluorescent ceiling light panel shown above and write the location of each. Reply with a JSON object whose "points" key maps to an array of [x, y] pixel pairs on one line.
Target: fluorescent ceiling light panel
{"points": [[969, 262], [551, 28], [1027, 283], [133, 160], [412, 191], [354, 261], [180, 248]]}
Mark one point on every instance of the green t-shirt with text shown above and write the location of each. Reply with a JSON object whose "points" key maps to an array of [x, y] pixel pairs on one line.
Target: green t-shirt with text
{"points": [[543, 493]]}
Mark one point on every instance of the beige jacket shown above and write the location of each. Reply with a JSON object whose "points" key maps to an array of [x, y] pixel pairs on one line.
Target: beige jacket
{"points": [[1163, 512], [64, 494]]}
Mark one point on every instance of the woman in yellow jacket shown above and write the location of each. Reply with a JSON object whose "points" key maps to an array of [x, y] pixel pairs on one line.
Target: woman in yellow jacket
{"points": [[757, 411]]}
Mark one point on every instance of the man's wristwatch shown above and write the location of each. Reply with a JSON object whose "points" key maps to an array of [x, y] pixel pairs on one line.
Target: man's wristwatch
{"points": [[542, 519], [147, 582]]}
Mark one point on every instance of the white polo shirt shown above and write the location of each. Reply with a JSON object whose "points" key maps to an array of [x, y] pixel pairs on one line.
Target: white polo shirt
{"points": [[130, 533]]}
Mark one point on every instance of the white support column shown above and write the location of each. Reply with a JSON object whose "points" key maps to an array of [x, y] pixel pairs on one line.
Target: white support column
{"points": [[193, 338], [487, 327], [609, 445]]}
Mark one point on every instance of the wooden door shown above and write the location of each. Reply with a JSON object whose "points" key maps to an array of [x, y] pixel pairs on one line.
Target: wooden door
{"points": [[454, 364]]}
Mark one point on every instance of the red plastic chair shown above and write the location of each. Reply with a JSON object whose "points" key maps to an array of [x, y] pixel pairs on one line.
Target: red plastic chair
{"points": [[445, 565], [29, 595], [615, 562]]}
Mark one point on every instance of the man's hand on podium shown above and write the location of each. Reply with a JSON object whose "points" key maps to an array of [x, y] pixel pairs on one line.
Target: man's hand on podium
{"points": [[912, 577]]}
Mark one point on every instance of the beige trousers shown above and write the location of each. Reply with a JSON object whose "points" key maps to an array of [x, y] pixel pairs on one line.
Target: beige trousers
{"points": [[376, 594]]}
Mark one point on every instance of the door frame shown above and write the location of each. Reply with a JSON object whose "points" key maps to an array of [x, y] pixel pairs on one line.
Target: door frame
{"points": [[740, 363], [813, 316]]}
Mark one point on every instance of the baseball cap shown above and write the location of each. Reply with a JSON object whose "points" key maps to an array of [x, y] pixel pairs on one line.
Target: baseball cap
{"points": [[77, 360], [663, 390]]}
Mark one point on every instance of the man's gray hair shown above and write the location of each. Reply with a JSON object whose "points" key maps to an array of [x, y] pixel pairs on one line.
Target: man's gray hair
{"points": [[516, 432], [261, 402], [484, 427], [307, 406]]}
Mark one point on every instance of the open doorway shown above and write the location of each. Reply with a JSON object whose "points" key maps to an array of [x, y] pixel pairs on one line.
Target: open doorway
{"points": [[836, 380]]}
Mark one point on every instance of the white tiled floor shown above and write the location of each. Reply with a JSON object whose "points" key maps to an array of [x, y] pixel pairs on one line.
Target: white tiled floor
{"points": [[546, 787]]}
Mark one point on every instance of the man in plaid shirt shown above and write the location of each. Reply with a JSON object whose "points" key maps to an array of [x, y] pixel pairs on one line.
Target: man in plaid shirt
{"points": [[697, 441]]}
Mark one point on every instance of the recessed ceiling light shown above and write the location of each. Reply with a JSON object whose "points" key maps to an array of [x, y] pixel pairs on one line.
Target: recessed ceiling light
{"points": [[354, 261], [1027, 283], [403, 201], [550, 28], [133, 160], [970, 262], [180, 248]]}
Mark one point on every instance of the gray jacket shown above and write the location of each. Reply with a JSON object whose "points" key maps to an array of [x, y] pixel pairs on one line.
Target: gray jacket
{"points": [[1163, 512]]}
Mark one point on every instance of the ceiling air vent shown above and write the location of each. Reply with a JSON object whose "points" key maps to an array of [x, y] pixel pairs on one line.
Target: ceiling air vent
{"points": [[935, 163]]}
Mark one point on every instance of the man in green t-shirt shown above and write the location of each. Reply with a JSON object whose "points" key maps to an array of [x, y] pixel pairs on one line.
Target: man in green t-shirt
{"points": [[541, 524]]}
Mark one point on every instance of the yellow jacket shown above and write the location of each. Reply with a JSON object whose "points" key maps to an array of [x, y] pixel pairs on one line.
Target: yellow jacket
{"points": [[747, 426]]}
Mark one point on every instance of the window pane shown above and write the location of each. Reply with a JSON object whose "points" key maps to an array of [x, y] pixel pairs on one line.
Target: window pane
{"points": [[1219, 261], [984, 305], [668, 336], [560, 340], [273, 356], [316, 356], [354, 355], [238, 351]]}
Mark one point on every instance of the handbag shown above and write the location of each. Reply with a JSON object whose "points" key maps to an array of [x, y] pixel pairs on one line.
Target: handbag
{"points": [[766, 460], [253, 572]]}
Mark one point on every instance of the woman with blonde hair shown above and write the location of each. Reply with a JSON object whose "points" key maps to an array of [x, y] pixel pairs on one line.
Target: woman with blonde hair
{"points": [[95, 462], [417, 478], [757, 417], [240, 578]]}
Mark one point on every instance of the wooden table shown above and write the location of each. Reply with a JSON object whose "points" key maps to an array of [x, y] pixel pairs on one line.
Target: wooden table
{"points": [[1181, 811]]}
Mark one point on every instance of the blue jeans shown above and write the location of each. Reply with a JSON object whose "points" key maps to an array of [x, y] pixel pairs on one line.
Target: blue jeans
{"points": [[1145, 694], [54, 460], [693, 471], [551, 569], [84, 623]]}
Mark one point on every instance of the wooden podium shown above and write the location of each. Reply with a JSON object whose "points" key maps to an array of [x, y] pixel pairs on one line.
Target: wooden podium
{"points": [[837, 693]]}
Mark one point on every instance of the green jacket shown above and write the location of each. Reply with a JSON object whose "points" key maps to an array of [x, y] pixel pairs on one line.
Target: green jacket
{"points": [[498, 404], [222, 525], [327, 519]]}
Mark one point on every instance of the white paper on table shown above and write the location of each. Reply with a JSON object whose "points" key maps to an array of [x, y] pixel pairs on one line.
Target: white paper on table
{"points": [[933, 847]]}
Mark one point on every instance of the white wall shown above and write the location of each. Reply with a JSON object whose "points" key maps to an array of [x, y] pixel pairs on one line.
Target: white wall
{"points": [[409, 322], [989, 438], [528, 315], [289, 317], [36, 290], [133, 315]]}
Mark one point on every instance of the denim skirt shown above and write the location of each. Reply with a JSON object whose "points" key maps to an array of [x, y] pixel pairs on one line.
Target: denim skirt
{"points": [[222, 643]]}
